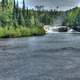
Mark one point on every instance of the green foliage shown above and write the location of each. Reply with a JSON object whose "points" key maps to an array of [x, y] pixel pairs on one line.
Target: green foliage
{"points": [[73, 18], [21, 20], [17, 22], [23, 9], [26, 17], [8, 32], [4, 4]]}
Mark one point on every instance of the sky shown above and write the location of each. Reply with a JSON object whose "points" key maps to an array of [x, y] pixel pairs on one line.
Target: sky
{"points": [[52, 4]]}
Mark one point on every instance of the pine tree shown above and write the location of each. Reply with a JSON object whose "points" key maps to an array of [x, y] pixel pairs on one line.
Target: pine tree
{"points": [[4, 4], [15, 13], [6, 1], [27, 11], [17, 9], [25, 14], [21, 20], [14, 10], [27, 17], [23, 9]]}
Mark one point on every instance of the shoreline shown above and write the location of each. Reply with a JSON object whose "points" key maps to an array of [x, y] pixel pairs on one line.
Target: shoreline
{"points": [[12, 32]]}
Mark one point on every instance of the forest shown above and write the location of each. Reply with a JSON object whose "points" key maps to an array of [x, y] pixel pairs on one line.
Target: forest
{"points": [[18, 22], [72, 18], [21, 22]]}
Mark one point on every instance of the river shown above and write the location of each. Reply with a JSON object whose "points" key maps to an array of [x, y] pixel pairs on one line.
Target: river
{"points": [[50, 57]]}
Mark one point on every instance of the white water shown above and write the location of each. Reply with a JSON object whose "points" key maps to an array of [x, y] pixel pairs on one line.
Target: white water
{"points": [[54, 29]]}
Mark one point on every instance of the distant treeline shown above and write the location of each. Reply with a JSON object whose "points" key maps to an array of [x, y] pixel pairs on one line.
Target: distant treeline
{"points": [[12, 14]]}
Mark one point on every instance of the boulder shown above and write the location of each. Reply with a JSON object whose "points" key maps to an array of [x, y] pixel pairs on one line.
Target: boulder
{"points": [[63, 29]]}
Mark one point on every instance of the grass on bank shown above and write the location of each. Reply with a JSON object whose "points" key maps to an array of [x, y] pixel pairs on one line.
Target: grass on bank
{"points": [[12, 32]]}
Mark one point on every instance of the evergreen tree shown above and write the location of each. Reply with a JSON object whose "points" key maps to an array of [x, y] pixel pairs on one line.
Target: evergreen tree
{"points": [[15, 13], [21, 20], [17, 9], [23, 9], [4, 4], [27, 11], [14, 10], [27, 16], [6, 1]]}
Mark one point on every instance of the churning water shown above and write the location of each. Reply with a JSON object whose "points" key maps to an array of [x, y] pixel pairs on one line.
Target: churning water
{"points": [[50, 57]]}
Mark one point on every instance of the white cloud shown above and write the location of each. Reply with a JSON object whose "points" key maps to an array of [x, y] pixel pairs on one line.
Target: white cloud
{"points": [[63, 4]]}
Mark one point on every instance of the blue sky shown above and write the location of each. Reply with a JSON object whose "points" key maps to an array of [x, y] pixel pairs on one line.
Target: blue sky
{"points": [[51, 4]]}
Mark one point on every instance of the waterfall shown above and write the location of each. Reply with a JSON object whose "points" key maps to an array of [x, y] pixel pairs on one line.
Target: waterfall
{"points": [[58, 21]]}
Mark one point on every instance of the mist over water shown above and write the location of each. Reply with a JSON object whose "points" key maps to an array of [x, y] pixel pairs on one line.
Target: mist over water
{"points": [[58, 21]]}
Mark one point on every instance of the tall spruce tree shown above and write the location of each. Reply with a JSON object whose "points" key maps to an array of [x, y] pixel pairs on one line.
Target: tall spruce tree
{"points": [[14, 10], [17, 9], [15, 13], [27, 17], [4, 4], [21, 20], [23, 9], [6, 1], [24, 12]]}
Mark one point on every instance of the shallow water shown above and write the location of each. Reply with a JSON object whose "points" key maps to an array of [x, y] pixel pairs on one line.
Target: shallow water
{"points": [[49, 57]]}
